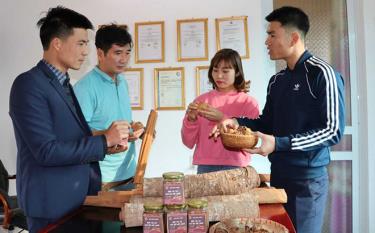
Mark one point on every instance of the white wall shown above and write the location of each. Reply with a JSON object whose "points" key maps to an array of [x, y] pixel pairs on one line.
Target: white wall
{"points": [[366, 83], [21, 49]]}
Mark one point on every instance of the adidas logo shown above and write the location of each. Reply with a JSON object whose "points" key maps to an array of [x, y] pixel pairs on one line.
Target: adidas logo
{"points": [[296, 87]]}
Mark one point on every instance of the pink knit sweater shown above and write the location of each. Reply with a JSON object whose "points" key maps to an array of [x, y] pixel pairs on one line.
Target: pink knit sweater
{"points": [[207, 151]]}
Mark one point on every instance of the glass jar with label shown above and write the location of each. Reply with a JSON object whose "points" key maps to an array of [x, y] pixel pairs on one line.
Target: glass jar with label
{"points": [[153, 218], [176, 219], [197, 216], [173, 188]]}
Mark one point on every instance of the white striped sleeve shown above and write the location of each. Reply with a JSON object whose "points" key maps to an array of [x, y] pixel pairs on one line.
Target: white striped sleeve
{"points": [[304, 141]]}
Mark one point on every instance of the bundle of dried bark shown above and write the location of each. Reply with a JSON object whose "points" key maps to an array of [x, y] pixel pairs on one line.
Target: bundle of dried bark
{"points": [[229, 182], [219, 208], [269, 195]]}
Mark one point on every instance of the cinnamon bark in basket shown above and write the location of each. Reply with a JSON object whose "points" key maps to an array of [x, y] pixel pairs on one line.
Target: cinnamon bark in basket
{"points": [[229, 182], [240, 138], [219, 207], [248, 225]]}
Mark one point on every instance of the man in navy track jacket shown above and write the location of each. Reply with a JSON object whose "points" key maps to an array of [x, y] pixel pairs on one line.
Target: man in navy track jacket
{"points": [[302, 118]]}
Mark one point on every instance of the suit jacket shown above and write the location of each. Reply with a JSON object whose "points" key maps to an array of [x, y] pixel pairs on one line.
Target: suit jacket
{"points": [[57, 154]]}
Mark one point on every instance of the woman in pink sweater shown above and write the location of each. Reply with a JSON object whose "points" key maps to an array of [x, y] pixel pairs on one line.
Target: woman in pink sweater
{"points": [[228, 99]]}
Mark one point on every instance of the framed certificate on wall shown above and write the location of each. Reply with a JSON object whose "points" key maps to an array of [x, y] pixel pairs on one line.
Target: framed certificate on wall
{"points": [[192, 41], [149, 42], [169, 88], [202, 83], [232, 33], [134, 78]]}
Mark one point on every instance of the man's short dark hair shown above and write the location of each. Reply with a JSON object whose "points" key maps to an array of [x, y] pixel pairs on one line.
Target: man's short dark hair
{"points": [[291, 17], [60, 22], [107, 35]]}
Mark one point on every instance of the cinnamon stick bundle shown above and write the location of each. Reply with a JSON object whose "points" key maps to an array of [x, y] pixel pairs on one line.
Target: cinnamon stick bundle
{"points": [[229, 182]]}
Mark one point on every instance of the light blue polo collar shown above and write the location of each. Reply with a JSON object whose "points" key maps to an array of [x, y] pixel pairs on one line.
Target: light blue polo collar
{"points": [[106, 77]]}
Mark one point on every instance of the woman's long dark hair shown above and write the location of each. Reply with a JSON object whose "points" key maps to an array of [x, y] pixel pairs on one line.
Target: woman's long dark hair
{"points": [[233, 59]]}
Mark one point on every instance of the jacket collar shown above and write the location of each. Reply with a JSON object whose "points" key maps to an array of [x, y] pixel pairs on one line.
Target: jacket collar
{"points": [[305, 55], [60, 90], [47, 71]]}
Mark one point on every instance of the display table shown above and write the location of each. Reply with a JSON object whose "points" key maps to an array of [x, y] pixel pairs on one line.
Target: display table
{"points": [[106, 220]]}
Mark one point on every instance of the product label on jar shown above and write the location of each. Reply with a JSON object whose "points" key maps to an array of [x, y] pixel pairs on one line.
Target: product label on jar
{"points": [[173, 193], [153, 223], [197, 223], [177, 222]]}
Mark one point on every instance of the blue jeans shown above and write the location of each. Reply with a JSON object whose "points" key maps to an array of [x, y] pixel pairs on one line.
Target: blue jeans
{"points": [[213, 168], [306, 201]]}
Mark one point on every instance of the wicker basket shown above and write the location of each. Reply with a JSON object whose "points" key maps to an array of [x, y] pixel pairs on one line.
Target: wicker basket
{"points": [[247, 225], [239, 141]]}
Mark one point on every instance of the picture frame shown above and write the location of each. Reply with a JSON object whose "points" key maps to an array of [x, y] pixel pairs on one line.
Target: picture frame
{"points": [[192, 39], [134, 78], [231, 32], [149, 42], [201, 80], [169, 88]]}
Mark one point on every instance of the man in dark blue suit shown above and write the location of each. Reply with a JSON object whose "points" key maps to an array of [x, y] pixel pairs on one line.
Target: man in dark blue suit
{"points": [[57, 159]]}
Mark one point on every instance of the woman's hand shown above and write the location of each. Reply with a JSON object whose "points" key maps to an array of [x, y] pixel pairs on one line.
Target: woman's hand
{"points": [[192, 112], [211, 114], [230, 123]]}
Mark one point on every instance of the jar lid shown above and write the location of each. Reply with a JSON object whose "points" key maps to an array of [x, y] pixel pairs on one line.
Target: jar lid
{"points": [[153, 206], [197, 203], [173, 175], [175, 207]]}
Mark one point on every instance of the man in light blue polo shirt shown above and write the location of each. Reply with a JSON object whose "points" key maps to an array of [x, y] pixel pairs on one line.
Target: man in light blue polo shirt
{"points": [[103, 96]]}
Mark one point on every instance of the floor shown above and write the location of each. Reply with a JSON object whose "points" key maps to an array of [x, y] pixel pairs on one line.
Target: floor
{"points": [[15, 230]]}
